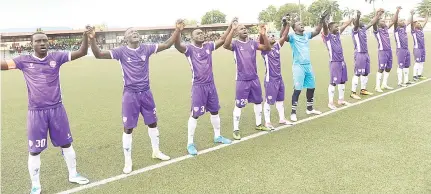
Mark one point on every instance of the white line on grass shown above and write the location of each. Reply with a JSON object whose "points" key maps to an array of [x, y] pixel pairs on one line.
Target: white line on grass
{"points": [[175, 160]]}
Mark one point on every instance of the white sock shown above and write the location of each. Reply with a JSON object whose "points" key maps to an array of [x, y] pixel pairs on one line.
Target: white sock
{"points": [[191, 129], [70, 158], [154, 136], [127, 148], [364, 81], [341, 88], [378, 79], [385, 78], [400, 75], [406, 74], [421, 68], [236, 118], [331, 91], [215, 121], [355, 82], [34, 170], [258, 113], [280, 107], [416, 69], [267, 112]]}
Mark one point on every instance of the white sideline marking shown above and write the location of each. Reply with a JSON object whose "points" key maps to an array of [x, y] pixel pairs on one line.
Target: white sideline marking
{"points": [[175, 160]]}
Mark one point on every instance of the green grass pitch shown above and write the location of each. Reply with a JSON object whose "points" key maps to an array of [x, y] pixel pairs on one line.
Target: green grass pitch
{"points": [[382, 146]]}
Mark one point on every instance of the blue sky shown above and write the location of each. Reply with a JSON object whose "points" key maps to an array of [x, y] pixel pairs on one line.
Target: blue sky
{"points": [[77, 13]]}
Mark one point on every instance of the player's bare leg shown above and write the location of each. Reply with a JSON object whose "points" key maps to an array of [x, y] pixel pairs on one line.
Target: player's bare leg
{"points": [[153, 132], [127, 149]]}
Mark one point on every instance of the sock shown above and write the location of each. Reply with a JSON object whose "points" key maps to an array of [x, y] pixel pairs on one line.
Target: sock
{"points": [[400, 75], [331, 91], [295, 97], [258, 113], [310, 98], [191, 127], [406, 74], [34, 169], [415, 70], [215, 121], [154, 136], [364, 81], [355, 82], [378, 79], [70, 158], [420, 69], [280, 107], [341, 88], [385, 78], [236, 118], [127, 148], [267, 112]]}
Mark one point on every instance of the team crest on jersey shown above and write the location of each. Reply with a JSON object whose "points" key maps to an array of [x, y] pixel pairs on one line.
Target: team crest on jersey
{"points": [[208, 51], [196, 109], [30, 143], [144, 57], [269, 97], [124, 119], [31, 66], [52, 64], [252, 47]]}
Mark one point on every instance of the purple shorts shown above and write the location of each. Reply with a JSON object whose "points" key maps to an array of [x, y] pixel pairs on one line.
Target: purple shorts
{"points": [[419, 55], [39, 122], [403, 56], [362, 64], [338, 72], [135, 103], [385, 60], [204, 98], [274, 91], [249, 91]]}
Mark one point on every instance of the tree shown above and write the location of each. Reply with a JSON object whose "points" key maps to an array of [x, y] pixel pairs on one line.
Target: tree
{"points": [[317, 7], [372, 2], [367, 18], [424, 8], [253, 30], [388, 15], [347, 12], [190, 22], [39, 30], [268, 15], [213, 17], [291, 8], [101, 27]]}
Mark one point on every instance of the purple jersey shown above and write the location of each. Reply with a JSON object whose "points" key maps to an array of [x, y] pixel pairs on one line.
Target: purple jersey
{"points": [[360, 40], [418, 39], [200, 60], [401, 38], [245, 59], [42, 78], [335, 49], [272, 63], [134, 63], [383, 41]]}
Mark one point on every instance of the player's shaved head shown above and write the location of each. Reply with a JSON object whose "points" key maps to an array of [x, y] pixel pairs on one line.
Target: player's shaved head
{"points": [[39, 40], [298, 27], [198, 36], [131, 35], [242, 32]]}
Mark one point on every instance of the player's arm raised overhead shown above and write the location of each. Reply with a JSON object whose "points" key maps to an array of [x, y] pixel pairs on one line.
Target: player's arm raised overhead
{"points": [[320, 26], [426, 20], [178, 45], [284, 32], [410, 21], [99, 54], [324, 25], [265, 46], [84, 45], [344, 26], [222, 39], [356, 22], [167, 44], [394, 21], [375, 19], [228, 42]]}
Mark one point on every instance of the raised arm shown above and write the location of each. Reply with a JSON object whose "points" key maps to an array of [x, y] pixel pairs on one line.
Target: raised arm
{"points": [[344, 26], [284, 32], [7, 64], [84, 45], [321, 23], [167, 44], [394, 21], [222, 39], [99, 54], [228, 42], [356, 22], [178, 45], [375, 19], [410, 22], [265, 46], [426, 20], [325, 28]]}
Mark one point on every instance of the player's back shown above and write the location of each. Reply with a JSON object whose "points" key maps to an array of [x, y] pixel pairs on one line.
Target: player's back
{"points": [[272, 63], [42, 78], [383, 40], [335, 49], [300, 48], [360, 40], [245, 59], [135, 65], [401, 39], [418, 39], [200, 60]]}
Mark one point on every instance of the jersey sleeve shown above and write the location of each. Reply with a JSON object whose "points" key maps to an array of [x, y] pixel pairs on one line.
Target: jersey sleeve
{"points": [[151, 49], [256, 44], [63, 57], [291, 39], [188, 50], [116, 53], [234, 43], [211, 46], [308, 35], [15, 63]]}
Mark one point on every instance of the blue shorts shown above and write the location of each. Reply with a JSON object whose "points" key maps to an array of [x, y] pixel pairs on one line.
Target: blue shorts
{"points": [[303, 76]]}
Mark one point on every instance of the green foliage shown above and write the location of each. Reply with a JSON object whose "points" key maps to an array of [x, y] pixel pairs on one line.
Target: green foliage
{"points": [[424, 8], [213, 17]]}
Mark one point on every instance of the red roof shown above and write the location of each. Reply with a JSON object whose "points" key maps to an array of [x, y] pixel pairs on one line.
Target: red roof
{"points": [[12, 34]]}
